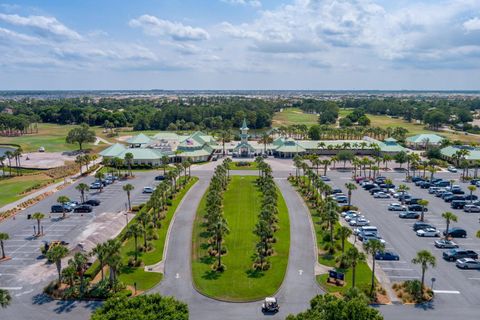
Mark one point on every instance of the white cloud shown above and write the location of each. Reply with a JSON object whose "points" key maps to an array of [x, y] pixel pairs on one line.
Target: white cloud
{"points": [[251, 3], [472, 24], [175, 30], [44, 26], [18, 37]]}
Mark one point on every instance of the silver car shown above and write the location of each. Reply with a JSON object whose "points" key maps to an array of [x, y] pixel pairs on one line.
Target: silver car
{"points": [[468, 263], [471, 208], [445, 244]]}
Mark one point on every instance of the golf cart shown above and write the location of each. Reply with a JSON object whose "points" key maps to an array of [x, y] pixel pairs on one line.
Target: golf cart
{"points": [[270, 305]]}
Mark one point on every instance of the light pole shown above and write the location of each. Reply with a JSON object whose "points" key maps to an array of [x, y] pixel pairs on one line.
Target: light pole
{"points": [[433, 281]]}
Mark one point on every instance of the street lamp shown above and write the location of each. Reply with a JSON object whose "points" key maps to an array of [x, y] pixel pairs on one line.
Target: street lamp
{"points": [[433, 281]]}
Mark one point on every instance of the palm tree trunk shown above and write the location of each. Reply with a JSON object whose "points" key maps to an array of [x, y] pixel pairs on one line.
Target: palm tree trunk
{"points": [[373, 276], [353, 276], [3, 250], [423, 278], [136, 247], [59, 269]]}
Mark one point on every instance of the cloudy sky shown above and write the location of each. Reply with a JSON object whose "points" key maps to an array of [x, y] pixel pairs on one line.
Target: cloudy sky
{"points": [[240, 44]]}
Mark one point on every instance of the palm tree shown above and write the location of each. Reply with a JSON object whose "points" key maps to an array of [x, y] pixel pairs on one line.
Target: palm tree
{"points": [[449, 217], [80, 160], [165, 161], [352, 258], [5, 298], [128, 188], [113, 260], [472, 189], [350, 187], [38, 216], [401, 191], [129, 160], [423, 203], [100, 251], [425, 259], [82, 188], [135, 230], [220, 229], [225, 136], [79, 263], [56, 254], [265, 139], [343, 233], [3, 236], [373, 247], [63, 200], [9, 155]]}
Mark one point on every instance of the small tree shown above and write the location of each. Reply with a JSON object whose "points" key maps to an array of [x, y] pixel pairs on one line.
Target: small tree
{"points": [[350, 187], [129, 161], [56, 254], [345, 155], [38, 216], [128, 188], [400, 158], [352, 258], [63, 200], [423, 203], [135, 230], [449, 217], [81, 135], [343, 233], [472, 189], [5, 298], [100, 176], [3, 236], [82, 188], [373, 247], [425, 259]]}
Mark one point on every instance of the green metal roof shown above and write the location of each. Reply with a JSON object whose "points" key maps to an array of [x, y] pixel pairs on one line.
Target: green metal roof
{"points": [[139, 139], [113, 151], [424, 137], [474, 153], [291, 148], [166, 135], [244, 125], [142, 153], [244, 145], [194, 153], [390, 140]]}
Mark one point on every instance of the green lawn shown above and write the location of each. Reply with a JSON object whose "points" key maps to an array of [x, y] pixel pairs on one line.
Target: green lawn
{"points": [[290, 116], [252, 165], [49, 136], [11, 188], [239, 282]]}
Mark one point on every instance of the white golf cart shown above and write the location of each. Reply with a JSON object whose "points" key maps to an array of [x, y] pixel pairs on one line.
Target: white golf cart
{"points": [[270, 305]]}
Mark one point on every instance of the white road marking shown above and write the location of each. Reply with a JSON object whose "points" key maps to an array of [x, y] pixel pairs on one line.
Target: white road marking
{"points": [[473, 278], [399, 269], [177, 276], [24, 292], [447, 291], [11, 288], [7, 274], [300, 272], [404, 277]]}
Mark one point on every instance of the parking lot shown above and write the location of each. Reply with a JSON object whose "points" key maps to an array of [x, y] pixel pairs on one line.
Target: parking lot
{"points": [[22, 273], [452, 285]]}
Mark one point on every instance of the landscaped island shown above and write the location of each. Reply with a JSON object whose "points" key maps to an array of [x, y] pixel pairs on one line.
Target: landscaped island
{"points": [[241, 280]]}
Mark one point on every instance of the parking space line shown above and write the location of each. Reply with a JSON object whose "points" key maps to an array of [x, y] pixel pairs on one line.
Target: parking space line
{"points": [[403, 277], [397, 269], [473, 278], [11, 288], [447, 291]]}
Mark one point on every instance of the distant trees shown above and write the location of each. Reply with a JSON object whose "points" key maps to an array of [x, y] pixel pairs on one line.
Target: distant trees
{"points": [[81, 135]]}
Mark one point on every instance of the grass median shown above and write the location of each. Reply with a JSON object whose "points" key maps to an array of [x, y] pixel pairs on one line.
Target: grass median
{"points": [[240, 282]]}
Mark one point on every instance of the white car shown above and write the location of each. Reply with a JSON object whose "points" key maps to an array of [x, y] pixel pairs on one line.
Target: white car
{"points": [[360, 222], [148, 189], [428, 232], [452, 169], [381, 195], [395, 206], [353, 216], [346, 213], [468, 263]]}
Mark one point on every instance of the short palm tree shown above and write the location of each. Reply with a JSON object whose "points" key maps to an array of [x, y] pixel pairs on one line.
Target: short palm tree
{"points": [[423, 203], [373, 247], [472, 189], [129, 160], [3, 236], [352, 258], [5, 298], [135, 230], [402, 189], [100, 251], [82, 188], [63, 200], [449, 217], [38, 216], [425, 259], [165, 160], [79, 263], [128, 188], [100, 176], [343, 233], [350, 187], [56, 254]]}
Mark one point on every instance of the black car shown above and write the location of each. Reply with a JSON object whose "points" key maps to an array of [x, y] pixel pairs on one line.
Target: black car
{"points": [[458, 191], [387, 255], [409, 215], [425, 185], [83, 208], [60, 208], [456, 233], [458, 204], [471, 197], [370, 186], [335, 191], [454, 197], [415, 179], [442, 184], [160, 178], [454, 254], [421, 225], [412, 201], [93, 202], [473, 182], [416, 208], [375, 190]]}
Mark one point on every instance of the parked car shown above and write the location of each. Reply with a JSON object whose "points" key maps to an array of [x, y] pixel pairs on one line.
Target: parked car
{"points": [[72, 204], [471, 197], [467, 263], [95, 185], [428, 232], [58, 208], [84, 208], [270, 305], [375, 190], [336, 191], [409, 215], [416, 207], [387, 255], [346, 213], [452, 169], [160, 178], [419, 225], [456, 233], [341, 199], [473, 182], [442, 183], [360, 222], [453, 197], [370, 186], [368, 237], [457, 191], [148, 189], [415, 179], [92, 202], [425, 185], [445, 244], [324, 178], [471, 208], [365, 229], [396, 207], [381, 195], [412, 200], [458, 204], [419, 182], [454, 254], [349, 217], [432, 190]]}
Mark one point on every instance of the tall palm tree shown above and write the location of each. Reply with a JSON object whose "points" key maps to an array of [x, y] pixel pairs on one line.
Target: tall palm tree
{"points": [[128, 161], [38, 216], [79, 263], [449, 217], [423, 203], [401, 191], [128, 188], [373, 247], [220, 229], [3, 237], [5, 298], [113, 259], [472, 189], [100, 176], [343, 233], [100, 251], [80, 160], [135, 230], [82, 188], [165, 161], [350, 187], [63, 200], [352, 258], [425, 259], [9, 155], [265, 139], [56, 254], [2, 162]]}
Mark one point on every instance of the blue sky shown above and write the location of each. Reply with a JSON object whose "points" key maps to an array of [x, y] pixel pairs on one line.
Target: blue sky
{"points": [[240, 44]]}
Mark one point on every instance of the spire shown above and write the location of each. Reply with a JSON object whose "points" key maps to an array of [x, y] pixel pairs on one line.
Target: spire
{"points": [[244, 125]]}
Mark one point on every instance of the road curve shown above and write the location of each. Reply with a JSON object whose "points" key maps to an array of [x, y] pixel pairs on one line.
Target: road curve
{"points": [[299, 285]]}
